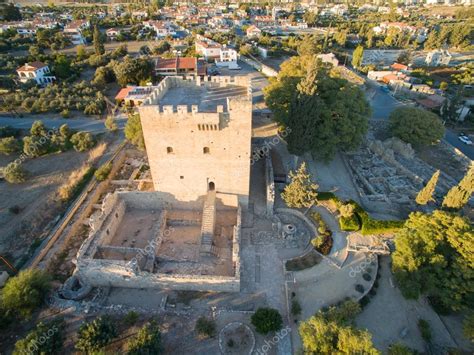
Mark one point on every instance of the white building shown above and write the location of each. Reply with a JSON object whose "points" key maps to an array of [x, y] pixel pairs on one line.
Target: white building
{"points": [[112, 34], [37, 71], [228, 56], [438, 57], [74, 29], [208, 48], [161, 28], [253, 31]]}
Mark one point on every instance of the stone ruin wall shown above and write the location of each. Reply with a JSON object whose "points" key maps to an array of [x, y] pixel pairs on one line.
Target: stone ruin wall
{"points": [[270, 185], [120, 273]]}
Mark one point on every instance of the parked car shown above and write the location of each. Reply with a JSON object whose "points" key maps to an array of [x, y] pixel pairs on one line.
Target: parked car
{"points": [[385, 88], [465, 139]]}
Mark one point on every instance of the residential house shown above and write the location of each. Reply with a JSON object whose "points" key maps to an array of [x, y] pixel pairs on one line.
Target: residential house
{"points": [[73, 31], [133, 95], [37, 71], [161, 28], [253, 31], [180, 66], [112, 33], [399, 67], [227, 56], [207, 48]]}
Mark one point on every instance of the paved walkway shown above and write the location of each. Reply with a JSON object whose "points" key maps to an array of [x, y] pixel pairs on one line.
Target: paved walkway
{"points": [[338, 252]]}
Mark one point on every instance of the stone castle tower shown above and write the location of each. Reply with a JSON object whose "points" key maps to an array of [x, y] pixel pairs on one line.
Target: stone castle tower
{"points": [[198, 136]]}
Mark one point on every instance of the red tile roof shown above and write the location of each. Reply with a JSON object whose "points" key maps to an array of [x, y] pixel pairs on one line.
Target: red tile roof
{"points": [[122, 94], [33, 66], [398, 66], [176, 63]]}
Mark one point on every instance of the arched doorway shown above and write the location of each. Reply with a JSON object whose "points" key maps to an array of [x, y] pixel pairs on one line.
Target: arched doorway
{"points": [[212, 186]]}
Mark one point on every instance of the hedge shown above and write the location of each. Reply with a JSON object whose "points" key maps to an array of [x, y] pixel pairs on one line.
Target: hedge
{"points": [[350, 224], [361, 221]]}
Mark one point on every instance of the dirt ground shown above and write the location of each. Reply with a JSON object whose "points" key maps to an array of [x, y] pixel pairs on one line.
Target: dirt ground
{"points": [[35, 198]]}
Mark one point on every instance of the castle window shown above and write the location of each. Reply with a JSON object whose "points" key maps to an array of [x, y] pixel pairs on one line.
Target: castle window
{"points": [[206, 150], [169, 150]]}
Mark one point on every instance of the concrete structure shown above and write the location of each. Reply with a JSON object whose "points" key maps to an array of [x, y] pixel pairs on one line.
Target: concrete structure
{"points": [[197, 135], [438, 57], [143, 240], [180, 66], [37, 71]]}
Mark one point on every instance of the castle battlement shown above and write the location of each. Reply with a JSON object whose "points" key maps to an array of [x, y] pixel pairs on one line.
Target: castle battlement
{"points": [[195, 94]]}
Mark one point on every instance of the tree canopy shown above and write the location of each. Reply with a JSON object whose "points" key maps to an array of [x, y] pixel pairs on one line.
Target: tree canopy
{"points": [[426, 193], [25, 292], [416, 126], [267, 320], [323, 112], [460, 194], [434, 257], [147, 341], [96, 334], [331, 332], [45, 338], [134, 133], [301, 192], [132, 70]]}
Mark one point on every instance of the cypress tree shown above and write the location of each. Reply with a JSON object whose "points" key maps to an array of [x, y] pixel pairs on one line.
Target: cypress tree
{"points": [[97, 39], [426, 193], [460, 194]]}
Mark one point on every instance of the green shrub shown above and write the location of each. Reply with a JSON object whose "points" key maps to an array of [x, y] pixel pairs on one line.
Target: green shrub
{"points": [[350, 224], [82, 141], [94, 335], [295, 308], [103, 172], [359, 288], [131, 318], [9, 145], [360, 219], [147, 341], [46, 338], [400, 349], [425, 329], [25, 292], [206, 327], [14, 173], [267, 320]]}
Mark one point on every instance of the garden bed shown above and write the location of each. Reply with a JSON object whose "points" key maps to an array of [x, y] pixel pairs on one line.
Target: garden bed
{"points": [[360, 220], [305, 261]]}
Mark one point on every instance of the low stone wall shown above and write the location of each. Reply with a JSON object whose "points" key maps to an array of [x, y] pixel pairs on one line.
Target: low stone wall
{"points": [[115, 273], [270, 185]]}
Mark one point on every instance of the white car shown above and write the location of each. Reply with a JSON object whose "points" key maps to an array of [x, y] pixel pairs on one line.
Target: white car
{"points": [[465, 139]]}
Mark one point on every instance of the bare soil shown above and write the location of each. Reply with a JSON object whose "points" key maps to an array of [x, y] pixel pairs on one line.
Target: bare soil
{"points": [[36, 199]]}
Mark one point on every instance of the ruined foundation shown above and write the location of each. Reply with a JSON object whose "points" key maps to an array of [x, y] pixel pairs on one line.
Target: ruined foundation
{"points": [[143, 240]]}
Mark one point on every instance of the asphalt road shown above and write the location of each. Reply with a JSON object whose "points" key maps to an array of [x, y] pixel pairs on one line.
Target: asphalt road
{"points": [[383, 104], [78, 124]]}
